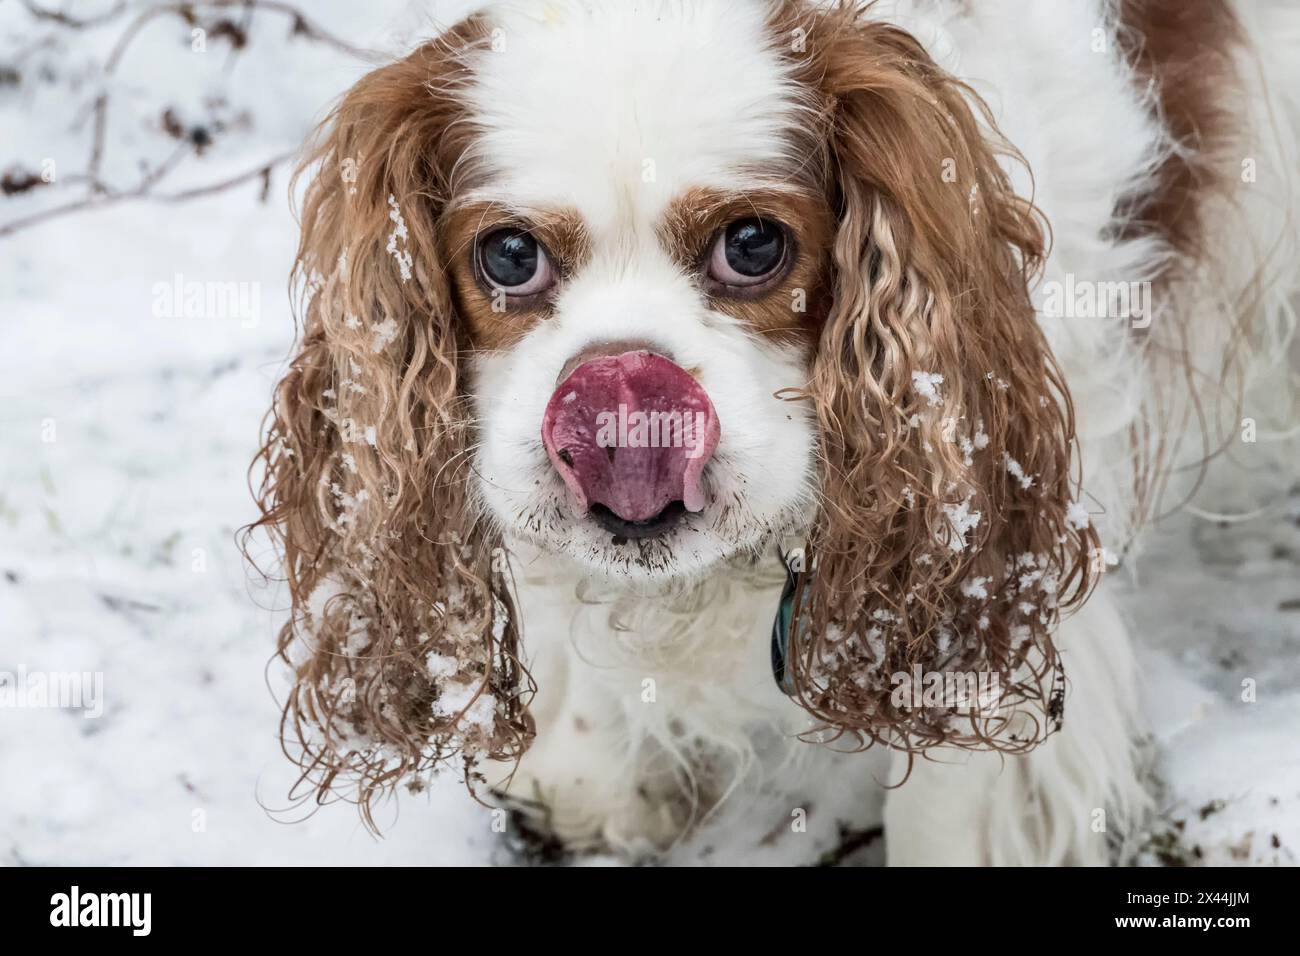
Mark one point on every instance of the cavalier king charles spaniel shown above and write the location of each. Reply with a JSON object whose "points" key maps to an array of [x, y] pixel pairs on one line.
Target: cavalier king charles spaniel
{"points": [[699, 400]]}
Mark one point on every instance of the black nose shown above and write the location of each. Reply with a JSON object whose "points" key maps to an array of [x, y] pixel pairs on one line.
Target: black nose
{"points": [[650, 528]]}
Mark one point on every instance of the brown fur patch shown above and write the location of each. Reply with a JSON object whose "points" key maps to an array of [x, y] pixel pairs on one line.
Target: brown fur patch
{"points": [[365, 485], [930, 283], [562, 233], [795, 305], [1185, 50]]}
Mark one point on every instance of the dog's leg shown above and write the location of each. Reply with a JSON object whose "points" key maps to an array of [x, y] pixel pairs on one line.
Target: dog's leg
{"points": [[937, 816], [1066, 802], [592, 779], [580, 780]]}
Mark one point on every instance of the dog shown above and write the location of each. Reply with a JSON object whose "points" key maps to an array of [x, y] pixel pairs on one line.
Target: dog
{"points": [[697, 400]]}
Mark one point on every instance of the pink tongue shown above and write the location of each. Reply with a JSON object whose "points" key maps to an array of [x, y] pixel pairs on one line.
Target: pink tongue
{"points": [[631, 432]]}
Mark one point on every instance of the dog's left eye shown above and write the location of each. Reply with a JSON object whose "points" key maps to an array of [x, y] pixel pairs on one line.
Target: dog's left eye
{"points": [[747, 253], [515, 262]]}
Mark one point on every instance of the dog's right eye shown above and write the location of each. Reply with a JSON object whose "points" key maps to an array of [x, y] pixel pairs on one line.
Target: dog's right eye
{"points": [[514, 262]]}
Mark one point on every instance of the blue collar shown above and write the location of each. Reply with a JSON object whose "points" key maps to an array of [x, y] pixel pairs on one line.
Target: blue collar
{"points": [[793, 595]]}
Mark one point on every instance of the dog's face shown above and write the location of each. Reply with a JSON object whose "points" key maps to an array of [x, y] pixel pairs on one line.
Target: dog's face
{"points": [[648, 285], [652, 262]]}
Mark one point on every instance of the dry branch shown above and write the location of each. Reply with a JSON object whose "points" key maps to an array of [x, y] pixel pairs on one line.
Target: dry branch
{"points": [[100, 194]]}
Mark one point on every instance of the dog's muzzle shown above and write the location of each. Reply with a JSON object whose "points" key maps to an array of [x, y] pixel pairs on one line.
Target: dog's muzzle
{"points": [[630, 435]]}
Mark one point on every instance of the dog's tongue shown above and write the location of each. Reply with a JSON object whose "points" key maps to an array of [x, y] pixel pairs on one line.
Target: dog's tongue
{"points": [[631, 432]]}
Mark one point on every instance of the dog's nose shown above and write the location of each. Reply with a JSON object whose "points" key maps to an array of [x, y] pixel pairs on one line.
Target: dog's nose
{"points": [[630, 432]]}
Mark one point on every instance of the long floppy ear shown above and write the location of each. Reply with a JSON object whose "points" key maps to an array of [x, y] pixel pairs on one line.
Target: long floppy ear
{"points": [[402, 634], [948, 537]]}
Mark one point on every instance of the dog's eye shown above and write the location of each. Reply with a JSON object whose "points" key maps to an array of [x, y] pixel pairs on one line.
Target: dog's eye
{"points": [[513, 261], [747, 252]]}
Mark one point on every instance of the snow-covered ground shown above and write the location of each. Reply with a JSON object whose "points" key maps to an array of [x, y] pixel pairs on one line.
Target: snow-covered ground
{"points": [[126, 429]]}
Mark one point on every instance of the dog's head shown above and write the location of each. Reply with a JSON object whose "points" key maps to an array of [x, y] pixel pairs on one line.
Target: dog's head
{"points": [[651, 286]]}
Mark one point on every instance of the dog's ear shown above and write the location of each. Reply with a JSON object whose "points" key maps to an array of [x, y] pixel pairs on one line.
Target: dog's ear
{"points": [[949, 537], [402, 635]]}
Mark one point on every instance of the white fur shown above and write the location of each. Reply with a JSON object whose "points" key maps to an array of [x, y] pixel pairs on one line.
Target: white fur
{"points": [[660, 115], [656, 700]]}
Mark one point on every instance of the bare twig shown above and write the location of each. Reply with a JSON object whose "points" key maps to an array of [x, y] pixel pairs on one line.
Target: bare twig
{"points": [[301, 25], [262, 172], [67, 20], [100, 193], [44, 43], [102, 197], [305, 27]]}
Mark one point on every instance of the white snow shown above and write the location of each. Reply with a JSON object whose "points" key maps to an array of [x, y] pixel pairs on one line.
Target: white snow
{"points": [[384, 334], [456, 696], [961, 520], [398, 236], [1076, 516], [442, 666], [926, 384], [1017, 471], [124, 450]]}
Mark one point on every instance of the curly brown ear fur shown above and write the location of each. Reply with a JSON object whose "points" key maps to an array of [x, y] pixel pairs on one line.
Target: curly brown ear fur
{"points": [[403, 633], [944, 538]]}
